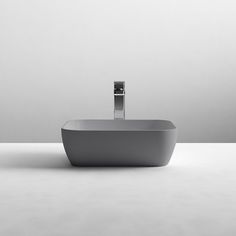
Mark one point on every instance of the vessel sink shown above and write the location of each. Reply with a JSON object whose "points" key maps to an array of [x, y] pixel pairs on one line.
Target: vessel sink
{"points": [[119, 142]]}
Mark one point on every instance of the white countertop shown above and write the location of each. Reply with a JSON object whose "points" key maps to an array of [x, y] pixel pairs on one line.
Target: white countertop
{"points": [[41, 194]]}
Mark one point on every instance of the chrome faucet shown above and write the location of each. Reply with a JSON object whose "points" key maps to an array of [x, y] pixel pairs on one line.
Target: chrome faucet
{"points": [[119, 100]]}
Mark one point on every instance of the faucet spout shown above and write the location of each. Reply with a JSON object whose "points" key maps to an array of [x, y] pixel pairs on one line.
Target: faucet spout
{"points": [[119, 100]]}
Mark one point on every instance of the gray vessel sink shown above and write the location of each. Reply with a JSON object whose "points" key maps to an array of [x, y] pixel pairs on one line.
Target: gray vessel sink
{"points": [[119, 142]]}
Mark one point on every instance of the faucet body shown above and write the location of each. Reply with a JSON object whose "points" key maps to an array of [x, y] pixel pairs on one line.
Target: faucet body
{"points": [[119, 100]]}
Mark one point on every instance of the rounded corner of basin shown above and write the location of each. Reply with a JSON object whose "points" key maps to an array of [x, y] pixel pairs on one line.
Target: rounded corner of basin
{"points": [[172, 123], [169, 125], [66, 125]]}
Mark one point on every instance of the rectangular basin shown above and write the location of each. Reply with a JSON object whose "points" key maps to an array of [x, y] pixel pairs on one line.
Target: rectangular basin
{"points": [[119, 142]]}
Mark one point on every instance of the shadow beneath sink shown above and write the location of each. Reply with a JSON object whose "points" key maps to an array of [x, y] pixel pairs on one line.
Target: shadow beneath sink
{"points": [[32, 160], [50, 160]]}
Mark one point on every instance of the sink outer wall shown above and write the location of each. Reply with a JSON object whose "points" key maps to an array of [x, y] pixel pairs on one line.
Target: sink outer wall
{"points": [[119, 148]]}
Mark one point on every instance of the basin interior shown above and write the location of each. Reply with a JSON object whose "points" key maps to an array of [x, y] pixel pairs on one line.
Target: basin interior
{"points": [[118, 125]]}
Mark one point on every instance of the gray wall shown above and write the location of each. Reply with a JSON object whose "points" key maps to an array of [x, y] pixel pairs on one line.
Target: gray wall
{"points": [[58, 61]]}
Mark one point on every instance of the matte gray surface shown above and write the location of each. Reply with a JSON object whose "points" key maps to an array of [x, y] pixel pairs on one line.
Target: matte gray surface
{"points": [[58, 61], [118, 125], [119, 142], [42, 194]]}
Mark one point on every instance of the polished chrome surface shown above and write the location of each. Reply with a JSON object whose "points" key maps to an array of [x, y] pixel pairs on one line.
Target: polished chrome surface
{"points": [[119, 100]]}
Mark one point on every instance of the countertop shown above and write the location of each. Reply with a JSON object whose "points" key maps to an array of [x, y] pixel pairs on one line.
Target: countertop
{"points": [[42, 194]]}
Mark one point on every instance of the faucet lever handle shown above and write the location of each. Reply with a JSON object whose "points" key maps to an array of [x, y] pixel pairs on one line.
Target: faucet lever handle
{"points": [[119, 88]]}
